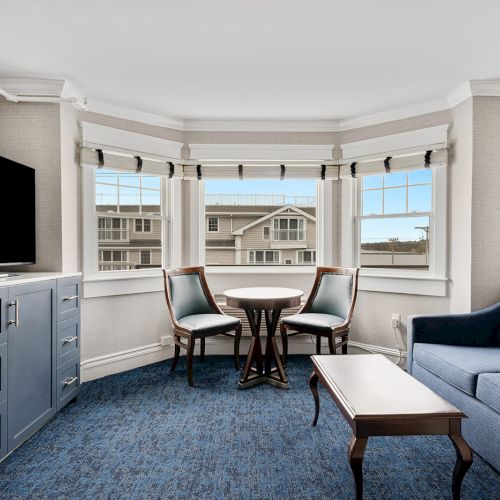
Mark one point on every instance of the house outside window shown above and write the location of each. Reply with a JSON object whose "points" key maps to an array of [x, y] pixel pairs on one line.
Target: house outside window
{"points": [[126, 239], [288, 229], [213, 224], [306, 257], [395, 220]]}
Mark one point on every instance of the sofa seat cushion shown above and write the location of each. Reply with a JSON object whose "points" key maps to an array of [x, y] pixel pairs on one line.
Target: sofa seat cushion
{"points": [[208, 323], [488, 390], [459, 366], [315, 321]]}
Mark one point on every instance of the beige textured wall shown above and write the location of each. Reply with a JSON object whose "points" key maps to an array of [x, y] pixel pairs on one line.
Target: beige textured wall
{"points": [[30, 134], [485, 223]]}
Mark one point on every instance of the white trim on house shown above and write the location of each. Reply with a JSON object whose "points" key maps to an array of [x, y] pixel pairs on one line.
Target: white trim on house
{"points": [[241, 230]]}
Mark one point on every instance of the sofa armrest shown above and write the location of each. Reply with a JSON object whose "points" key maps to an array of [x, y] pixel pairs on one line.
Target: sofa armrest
{"points": [[479, 328]]}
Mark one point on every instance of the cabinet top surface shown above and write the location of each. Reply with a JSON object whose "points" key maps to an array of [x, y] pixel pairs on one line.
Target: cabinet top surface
{"points": [[23, 278]]}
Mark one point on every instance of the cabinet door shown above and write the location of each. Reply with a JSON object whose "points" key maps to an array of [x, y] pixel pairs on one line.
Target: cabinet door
{"points": [[31, 359], [3, 314]]}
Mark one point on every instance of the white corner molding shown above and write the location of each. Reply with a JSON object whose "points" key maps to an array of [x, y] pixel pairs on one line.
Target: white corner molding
{"points": [[397, 144], [118, 139], [261, 125], [109, 364], [33, 86], [246, 152], [473, 88]]}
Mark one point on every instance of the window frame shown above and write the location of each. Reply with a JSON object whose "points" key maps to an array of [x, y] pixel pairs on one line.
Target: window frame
{"points": [[433, 281], [143, 252], [143, 219], [298, 218], [301, 251], [208, 224], [274, 251]]}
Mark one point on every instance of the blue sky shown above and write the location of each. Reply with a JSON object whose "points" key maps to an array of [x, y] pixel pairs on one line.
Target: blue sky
{"points": [[304, 187]]}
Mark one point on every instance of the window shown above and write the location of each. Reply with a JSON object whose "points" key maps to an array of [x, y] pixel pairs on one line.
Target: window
{"points": [[213, 224], [288, 229], [145, 257], [121, 200], [306, 257], [258, 222], [263, 257], [113, 260], [395, 220], [142, 225]]}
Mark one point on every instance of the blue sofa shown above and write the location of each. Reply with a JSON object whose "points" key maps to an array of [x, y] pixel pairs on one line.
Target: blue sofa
{"points": [[458, 357]]}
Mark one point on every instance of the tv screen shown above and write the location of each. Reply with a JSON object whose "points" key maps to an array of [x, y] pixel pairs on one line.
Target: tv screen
{"points": [[17, 213]]}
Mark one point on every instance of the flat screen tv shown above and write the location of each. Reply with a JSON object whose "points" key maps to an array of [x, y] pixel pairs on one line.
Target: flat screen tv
{"points": [[17, 214]]}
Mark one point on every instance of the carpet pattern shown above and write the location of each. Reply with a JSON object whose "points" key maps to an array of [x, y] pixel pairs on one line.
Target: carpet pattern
{"points": [[146, 434]]}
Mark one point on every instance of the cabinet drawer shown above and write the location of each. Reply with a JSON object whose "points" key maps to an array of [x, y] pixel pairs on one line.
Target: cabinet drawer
{"points": [[3, 429], [68, 298], [68, 382], [3, 372], [68, 340]]}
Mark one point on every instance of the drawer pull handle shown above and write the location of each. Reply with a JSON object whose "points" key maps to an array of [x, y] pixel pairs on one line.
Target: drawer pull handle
{"points": [[68, 340], [70, 381], [15, 321], [70, 297]]}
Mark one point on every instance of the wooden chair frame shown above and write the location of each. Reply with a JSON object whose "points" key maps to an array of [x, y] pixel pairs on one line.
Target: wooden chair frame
{"points": [[341, 330], [188, 334]]}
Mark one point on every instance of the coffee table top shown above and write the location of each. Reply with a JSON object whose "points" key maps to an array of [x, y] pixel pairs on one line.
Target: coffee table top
{"points": [[263, 297], [369, 386]]}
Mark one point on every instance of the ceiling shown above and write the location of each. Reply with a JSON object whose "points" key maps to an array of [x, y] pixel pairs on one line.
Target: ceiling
{"points": [[253, 59]]}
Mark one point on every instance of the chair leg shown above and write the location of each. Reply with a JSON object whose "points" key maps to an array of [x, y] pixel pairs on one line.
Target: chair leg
{"points": [[331, 345], [318, 344], [344, 347], [202, 349], [284, 344], [237, 338], [177, 351], [190, 352]]}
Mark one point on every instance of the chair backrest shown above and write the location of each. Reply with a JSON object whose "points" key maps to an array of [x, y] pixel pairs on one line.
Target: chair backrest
{"points": [[334, 292], [187, 293]]}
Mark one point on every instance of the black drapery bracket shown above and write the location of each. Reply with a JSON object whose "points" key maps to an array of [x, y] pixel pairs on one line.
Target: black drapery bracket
{"points": [[100, 158], [172, 170], [353, 169], [240, 172], [323, 172], [387, 164], [282, 175], [427, 160], [139, 164], [198, 172]]}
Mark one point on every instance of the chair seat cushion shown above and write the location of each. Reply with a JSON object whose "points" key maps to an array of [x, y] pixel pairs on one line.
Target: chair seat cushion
{"points": [[488, 390], [209, 323], [315, 321], [459, 366]]}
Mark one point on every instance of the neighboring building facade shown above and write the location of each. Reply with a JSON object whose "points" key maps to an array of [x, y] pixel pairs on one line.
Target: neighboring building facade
{"points": [[128, 242], [259, 235]]}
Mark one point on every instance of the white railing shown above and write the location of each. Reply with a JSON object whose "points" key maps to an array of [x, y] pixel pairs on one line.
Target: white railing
{"points": [[270, 200]]}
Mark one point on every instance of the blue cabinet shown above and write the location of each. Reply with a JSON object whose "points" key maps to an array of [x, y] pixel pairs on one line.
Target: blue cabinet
{"points": [[40, 355]]}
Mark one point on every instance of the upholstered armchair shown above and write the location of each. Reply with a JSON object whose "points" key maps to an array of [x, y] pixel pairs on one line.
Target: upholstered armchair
{"points": [[195, 315], [327, 312]]}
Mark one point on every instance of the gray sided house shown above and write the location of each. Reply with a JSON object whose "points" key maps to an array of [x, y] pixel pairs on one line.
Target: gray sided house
{"points": [[259, 235]]}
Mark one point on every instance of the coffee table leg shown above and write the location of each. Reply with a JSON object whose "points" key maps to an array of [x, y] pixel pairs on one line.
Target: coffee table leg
{"points": [[464, 458], [313, 384], [356, 453], [255, 351]]}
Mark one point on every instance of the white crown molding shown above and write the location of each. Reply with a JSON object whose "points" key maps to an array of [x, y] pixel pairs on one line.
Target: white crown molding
{"points": [[405, 142], [261, 125], [473, 88], [113, 138], [246, 152], [135, 115], [35, 87]]}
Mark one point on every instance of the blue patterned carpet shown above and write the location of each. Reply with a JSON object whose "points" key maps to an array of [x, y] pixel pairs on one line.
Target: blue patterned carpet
{"points": [[145, 434]]}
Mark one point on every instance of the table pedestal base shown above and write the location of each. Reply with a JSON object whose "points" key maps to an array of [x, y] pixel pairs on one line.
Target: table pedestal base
{"points": [[263, 372]]}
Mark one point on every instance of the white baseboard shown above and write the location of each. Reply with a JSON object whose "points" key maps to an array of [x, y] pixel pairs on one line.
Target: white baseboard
{"points": [[101, 366], [109, 364]]}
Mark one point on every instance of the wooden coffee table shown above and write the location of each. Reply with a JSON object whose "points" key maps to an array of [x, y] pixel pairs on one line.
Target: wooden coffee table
{"points": [[271, 300], [379, 399]]}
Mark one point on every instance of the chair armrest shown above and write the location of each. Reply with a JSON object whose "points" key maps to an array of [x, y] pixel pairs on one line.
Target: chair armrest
{"points": [[479, 328]]}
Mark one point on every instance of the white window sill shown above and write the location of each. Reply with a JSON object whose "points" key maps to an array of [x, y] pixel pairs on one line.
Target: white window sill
{"points": [[106, 286], [398, 283], [262, 269]]}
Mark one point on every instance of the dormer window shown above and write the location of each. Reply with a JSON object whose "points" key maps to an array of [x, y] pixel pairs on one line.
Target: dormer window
{"points": [[289, 229]]}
